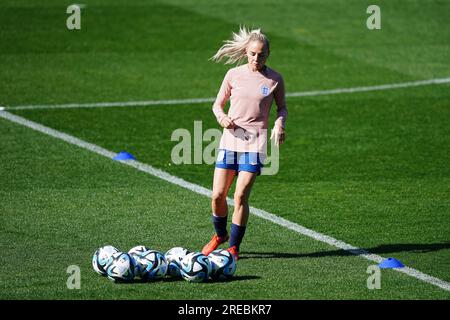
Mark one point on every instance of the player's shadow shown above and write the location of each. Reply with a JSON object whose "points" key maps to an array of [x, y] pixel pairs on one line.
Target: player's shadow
{"points": [[242, 278], [176, 279], [381, 249], [138, 280], [164, 279]]}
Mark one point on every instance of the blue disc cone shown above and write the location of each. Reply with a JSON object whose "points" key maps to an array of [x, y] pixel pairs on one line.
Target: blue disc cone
{"points": [[390, 263], [124, 156]]}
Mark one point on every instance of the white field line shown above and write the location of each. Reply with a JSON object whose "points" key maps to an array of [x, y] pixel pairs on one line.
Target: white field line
{"points": [[206, 192], [209, 100]]}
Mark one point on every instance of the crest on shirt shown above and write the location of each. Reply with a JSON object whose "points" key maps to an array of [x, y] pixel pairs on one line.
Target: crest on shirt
{"points": [[265, 91]]}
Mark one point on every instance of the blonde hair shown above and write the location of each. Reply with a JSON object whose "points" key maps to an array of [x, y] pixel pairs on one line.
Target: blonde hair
{"points": [[234, 50]]}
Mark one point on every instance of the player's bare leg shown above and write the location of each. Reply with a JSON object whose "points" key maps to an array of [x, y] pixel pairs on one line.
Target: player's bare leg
{"points": [[244, 185], [223, 178], [241, 210]]}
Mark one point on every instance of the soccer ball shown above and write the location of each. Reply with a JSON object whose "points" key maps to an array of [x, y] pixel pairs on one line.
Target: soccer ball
{"points": [[122, 268], [195, 267], [174, 257], [152, 265], [223, 264], [137, 251], [102, 257]]}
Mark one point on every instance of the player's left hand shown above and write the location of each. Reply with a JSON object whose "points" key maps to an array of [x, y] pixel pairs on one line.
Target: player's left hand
{"points": [[278, 134]]}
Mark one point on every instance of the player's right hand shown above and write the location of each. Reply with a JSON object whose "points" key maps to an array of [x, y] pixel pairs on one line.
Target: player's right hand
{"points": [[227, 123]]}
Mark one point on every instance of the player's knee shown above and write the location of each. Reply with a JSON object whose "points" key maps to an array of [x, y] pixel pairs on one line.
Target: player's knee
{"points": [[240, 197], [219, 196]]}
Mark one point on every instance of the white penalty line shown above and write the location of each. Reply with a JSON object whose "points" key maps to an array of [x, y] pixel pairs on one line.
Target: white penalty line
{"points": [[206, 192], [209, 100]]}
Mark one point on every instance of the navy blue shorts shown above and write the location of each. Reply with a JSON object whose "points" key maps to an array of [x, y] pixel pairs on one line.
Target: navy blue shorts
{"points": [[239, 161]]}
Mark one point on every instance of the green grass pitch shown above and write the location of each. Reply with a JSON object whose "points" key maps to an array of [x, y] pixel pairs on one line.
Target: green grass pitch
{"points": [[371, 169]]}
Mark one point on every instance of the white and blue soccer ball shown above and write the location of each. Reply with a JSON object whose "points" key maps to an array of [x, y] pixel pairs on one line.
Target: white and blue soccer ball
{"points": [[102, 257], [152, 265], [195, 267], [223, 265], [174, 257], [122, 268], [138, 251]]}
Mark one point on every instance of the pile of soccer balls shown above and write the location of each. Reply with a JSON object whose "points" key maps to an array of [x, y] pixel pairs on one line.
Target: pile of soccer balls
{"points": [[149, 264]]}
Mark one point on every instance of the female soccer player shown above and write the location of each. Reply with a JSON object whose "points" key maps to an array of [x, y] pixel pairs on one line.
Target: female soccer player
{"points": [[251, 89]]}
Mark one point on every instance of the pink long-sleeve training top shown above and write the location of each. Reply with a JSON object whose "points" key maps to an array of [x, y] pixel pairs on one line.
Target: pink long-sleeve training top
{"points": [[251, 94]]}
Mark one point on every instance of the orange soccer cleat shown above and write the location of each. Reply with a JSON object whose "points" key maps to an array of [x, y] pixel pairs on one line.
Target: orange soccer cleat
{"points": [[214, 243], [234, 252]]}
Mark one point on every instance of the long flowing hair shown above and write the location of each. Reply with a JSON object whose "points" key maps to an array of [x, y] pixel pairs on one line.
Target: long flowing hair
{"points": [[234, 50]]}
